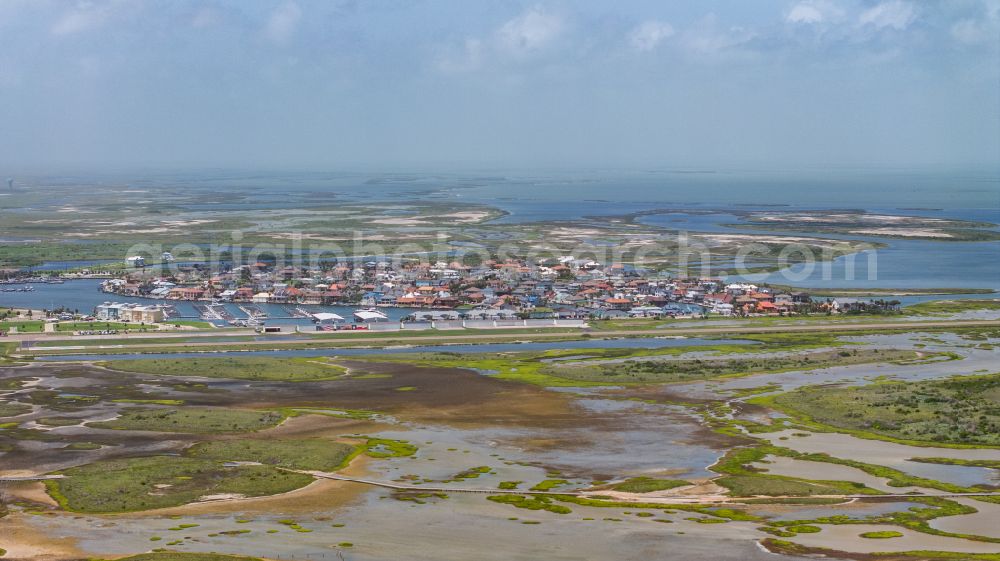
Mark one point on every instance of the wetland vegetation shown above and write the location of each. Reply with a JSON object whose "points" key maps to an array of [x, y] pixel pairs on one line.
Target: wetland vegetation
{"points": [[650, 370], [302, 454], [201, 420], [225, 452], [148, 483], [236, 367], [648, 484], [961, 410]]}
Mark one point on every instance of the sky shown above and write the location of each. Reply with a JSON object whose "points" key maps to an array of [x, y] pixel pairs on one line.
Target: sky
{"points": [[435, 83]]}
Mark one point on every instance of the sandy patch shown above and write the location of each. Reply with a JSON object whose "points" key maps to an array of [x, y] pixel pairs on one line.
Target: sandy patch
{"points": [[321, 494], [221, 497], [23, 541], [195, 222], [467, 216], [400, 221], [904, 232], [30, 491], [845, 217], [704, 490]]}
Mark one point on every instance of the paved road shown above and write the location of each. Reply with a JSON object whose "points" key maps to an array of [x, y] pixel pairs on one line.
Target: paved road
{"points": [[158, 334], [459, 336]]}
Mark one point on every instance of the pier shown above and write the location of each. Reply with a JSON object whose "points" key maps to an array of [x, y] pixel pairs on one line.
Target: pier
{"points": [[252, 311]]}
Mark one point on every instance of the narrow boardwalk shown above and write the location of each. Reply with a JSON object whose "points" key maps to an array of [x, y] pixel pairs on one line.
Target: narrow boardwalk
{"points": [[15, 479], [427, 488]]}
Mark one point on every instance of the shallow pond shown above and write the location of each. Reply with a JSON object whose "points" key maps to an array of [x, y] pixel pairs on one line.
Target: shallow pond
{"points": [[893, 455]]}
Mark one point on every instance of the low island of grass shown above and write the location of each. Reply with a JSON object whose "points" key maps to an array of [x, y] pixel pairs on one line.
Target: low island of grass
{"points": [[959, 411], [305, 454], [137, 484], [882, 535], [666, 370], [948, 307], [194, 420], [648, 485], [14, 409], [242, 368]]}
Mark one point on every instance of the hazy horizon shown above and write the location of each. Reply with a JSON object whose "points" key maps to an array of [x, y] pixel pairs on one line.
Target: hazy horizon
{"points": [[297, 84]]}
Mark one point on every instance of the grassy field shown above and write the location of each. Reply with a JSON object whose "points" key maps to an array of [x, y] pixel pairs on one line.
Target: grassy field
{"points": [[750, 485], [174, 337], [742, 479], [195, 420], [58, 421], [948, 307], [648, 484], [540, 368], [101, 326], [963, 410], [242, 368], [14, 409], [23, 325], [661, 371], [305, 454], [190, 323], [162, 481]]}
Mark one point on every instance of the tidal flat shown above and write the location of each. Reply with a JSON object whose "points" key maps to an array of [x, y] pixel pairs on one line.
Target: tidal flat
{"points": [[438, 426]]}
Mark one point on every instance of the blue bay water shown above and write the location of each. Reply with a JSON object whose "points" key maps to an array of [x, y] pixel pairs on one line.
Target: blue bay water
{"points": [[702, 200]]}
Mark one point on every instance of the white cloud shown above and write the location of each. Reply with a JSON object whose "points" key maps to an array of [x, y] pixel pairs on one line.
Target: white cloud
{"points": [[815, 12], [529, 31], [81, 17], [648, 34], [896, 14], [804, 12], [282, 22]]}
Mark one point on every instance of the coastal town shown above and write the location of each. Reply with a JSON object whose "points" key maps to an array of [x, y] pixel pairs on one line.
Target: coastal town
{"points": [[566, 289]]}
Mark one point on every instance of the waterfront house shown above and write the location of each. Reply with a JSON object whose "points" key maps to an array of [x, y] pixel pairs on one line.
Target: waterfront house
{"points": [[646, 312]]}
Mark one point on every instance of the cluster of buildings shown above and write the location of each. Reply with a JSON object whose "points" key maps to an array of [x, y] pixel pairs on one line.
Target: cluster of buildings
{"points": [[133, 313], [568, 288]]}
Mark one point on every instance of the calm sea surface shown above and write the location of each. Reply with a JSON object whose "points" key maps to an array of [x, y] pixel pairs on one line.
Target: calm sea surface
{"points": [[697, 200]]}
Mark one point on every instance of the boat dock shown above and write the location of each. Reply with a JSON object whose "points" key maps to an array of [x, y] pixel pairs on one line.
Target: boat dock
{"points": [[296, 313], [213, 312], [253, 312]]}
